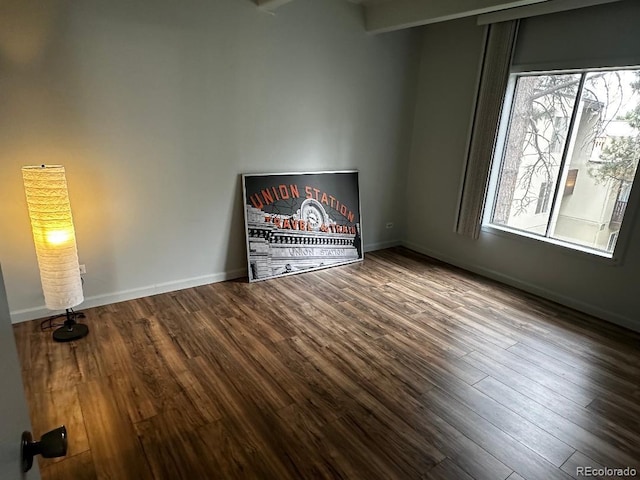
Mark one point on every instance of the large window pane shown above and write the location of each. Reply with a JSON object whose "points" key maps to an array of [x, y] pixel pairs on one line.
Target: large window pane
{"points": [[605, 157], [538, 127], [569, 157]]}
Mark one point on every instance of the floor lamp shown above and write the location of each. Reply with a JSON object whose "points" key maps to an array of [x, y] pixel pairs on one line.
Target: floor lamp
{"points": [[55, 241]]}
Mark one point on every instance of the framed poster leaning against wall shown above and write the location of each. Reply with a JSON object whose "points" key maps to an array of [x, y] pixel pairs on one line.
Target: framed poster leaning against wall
{"points": [[297, 222]]}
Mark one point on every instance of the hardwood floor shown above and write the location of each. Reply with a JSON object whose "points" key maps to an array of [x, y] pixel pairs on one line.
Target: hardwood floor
{"points": [[397, 368]]}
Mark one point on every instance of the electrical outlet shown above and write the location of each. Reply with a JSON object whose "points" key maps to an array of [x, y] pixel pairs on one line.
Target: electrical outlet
{"points": [[83, 269], [389, 225]]}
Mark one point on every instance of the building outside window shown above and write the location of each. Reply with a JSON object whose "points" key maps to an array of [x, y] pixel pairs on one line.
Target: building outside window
{"points": [[544, 197], [566, 159]]}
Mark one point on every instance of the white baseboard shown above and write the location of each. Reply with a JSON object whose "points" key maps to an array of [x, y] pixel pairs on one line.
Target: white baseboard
{"points": [[531, 288], [18, 316], [371, 247], [27, 314]]}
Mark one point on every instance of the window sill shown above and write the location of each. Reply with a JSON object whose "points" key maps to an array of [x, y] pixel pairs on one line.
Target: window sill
{"points": [[565, 247]]}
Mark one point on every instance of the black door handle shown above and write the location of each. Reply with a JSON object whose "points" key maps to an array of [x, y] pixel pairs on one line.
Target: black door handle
{"points": [[52, 444]]}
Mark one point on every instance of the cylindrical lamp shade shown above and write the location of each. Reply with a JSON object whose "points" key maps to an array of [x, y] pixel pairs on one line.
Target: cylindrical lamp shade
{"points": [[53, 235]]}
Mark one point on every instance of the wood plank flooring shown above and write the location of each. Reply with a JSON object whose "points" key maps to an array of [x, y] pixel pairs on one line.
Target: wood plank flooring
{"points": [[397, 368]]}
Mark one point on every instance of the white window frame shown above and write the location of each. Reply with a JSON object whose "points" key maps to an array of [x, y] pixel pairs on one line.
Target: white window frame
{"points": [[631, 212]]}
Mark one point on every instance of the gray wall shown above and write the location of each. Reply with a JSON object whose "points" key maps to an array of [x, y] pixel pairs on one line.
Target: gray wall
{"points": [[156, 107], [448, 72]]}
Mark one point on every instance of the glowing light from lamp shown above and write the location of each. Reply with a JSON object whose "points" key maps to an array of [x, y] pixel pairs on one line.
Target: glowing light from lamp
{"points": [[58, 237], [53, 235]]}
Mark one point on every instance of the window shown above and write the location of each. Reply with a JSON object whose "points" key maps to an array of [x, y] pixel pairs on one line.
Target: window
{"points": [[566, 157], [560, 125], [570, 184], [543, 198]]}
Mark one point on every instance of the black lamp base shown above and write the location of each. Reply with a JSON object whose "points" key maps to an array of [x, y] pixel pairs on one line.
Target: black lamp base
{"points": [[73, 332]]}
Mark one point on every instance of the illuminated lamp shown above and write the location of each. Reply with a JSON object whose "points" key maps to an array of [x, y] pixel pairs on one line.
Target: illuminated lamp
{"points": [[55, 242]]}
